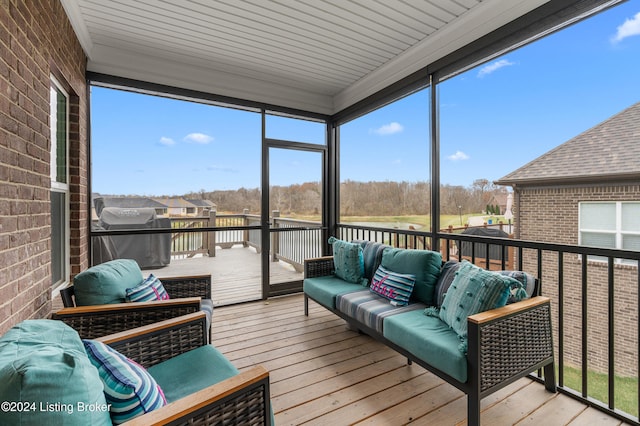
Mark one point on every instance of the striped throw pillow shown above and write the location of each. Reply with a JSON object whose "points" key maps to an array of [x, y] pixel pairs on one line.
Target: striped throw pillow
{"points": [[392, 285], [128, 387], [149, 289]]}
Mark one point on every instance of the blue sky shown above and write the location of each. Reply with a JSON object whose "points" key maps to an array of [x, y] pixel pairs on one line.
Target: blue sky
{"points": [[494, 119]]}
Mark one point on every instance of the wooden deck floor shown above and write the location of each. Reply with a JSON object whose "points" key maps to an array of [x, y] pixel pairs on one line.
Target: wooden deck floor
{"points": [[323, 374]]}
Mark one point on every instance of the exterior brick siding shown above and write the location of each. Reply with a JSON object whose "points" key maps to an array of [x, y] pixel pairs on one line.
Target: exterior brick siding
{"points": [[551, 215], [36, 41]]}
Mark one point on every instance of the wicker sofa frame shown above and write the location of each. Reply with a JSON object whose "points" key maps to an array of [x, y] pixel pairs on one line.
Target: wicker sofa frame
{"points": [[99, 320], [504, 344], [241, 400]]}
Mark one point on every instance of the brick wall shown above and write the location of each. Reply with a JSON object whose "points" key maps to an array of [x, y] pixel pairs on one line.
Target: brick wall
{"points": [[551, 215], [36, 40]]}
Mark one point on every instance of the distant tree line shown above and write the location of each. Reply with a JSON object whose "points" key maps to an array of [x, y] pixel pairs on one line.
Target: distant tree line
{"points": [[372, 198]]}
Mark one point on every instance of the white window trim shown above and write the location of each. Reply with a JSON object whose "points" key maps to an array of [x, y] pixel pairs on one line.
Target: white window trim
{"points": [[618, 232], [61, 187]]}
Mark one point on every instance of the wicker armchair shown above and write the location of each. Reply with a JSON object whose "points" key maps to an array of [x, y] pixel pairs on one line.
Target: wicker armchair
{"points": [[242, 399], [186, 295]]}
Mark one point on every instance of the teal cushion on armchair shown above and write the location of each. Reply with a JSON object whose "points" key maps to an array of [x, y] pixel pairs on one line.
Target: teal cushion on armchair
{"points": [[43, 362], [107, 282]]}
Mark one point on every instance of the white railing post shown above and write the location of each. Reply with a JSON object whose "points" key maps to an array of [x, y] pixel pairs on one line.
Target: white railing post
{"points": [[212, 234], [275, 236]]}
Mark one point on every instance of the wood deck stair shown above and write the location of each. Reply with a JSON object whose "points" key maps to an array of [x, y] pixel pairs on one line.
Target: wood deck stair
{"points": [[324, 374]]}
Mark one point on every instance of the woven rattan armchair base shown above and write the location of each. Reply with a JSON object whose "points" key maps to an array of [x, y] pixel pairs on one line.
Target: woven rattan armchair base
{"points": [[504, 344], [243, 399]]}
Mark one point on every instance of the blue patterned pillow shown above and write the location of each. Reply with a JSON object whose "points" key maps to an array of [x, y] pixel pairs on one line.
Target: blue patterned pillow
{"points": [[525, 291], [473, 290], [393, 286], [128, 387], [348, 261], [150, 289]]}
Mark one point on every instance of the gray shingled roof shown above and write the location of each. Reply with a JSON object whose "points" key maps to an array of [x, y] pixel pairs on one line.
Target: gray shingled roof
{"points": [[610, 150]]}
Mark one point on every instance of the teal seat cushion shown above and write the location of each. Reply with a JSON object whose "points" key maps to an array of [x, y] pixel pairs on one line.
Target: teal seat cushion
{"points": [[370, 309], [325, 289], [191, 371], [424, 264], [107, 282], [43, 362], [429, 339]]}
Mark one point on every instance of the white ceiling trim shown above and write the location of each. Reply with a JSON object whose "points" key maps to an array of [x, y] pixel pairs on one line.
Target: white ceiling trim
{"points": [[470, 26], [162, 71]]}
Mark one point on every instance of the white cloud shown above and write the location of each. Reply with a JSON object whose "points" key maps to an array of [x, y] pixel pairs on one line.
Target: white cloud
{"points": [[630, 27], [167, 141], [458, 156], [495, 66], [389, 129], [200, 138]]}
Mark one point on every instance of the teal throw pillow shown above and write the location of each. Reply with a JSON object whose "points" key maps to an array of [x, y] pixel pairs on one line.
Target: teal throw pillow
{"points": [[128, 388], [348, 261], [473, 290], [393, 286]]}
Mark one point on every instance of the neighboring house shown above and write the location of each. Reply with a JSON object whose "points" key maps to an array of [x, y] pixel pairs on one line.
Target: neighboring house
{"points": [[587, 192], [177, 206], [203, 207]]}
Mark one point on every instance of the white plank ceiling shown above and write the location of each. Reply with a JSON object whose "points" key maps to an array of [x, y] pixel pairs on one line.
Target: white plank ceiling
{"points": [[314, 55]]}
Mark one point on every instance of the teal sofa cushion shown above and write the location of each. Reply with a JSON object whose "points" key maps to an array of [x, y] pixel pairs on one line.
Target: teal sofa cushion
{"points": [[370, 309], [43, 362], [429, 339], [325, 289], [348, 261], [191, 371], [424, 264], [107, 282]]}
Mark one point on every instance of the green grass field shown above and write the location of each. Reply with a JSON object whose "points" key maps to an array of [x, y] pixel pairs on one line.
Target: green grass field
{"points": [[626, 388]]}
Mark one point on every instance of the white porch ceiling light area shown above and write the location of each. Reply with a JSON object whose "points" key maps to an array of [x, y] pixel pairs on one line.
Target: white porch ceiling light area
{"points": [[314, 55]]}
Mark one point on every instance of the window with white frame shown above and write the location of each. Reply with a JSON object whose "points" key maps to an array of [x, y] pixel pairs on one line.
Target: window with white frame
{"points": [[610, 225], [59, 167]]}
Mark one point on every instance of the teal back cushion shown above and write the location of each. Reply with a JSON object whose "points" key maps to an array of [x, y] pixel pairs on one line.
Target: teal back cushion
{"points": [[43, 362], [107, 282], [424, 264]]}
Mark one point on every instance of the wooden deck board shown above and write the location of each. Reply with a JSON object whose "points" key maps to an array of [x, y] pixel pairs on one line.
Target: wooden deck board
{"points": [[324, 374]]}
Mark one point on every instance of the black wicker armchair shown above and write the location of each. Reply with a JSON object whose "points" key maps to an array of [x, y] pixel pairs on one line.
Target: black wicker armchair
{"points": [[243, 399], [186, 296]]}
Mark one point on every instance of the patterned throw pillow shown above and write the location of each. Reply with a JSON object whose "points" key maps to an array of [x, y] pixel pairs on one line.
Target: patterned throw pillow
{"points": [[150, 289], [393, 286], [525, 291], [128, 387], [348, 261], [473, 290], [447, 274]]}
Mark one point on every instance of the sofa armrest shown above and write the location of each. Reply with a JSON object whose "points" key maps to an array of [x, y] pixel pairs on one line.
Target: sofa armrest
{"points": [[510, 342], [244, 398], [188, 286], [100, 320], [318, 267], [151, 344]]}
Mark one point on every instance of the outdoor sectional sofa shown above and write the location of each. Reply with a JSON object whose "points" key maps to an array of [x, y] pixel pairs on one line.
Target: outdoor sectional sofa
{"points": [[49, 376], [478, 353]]}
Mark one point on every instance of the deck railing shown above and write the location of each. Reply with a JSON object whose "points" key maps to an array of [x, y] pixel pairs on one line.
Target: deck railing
{"points": [[595, 301], [292, 240]]}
